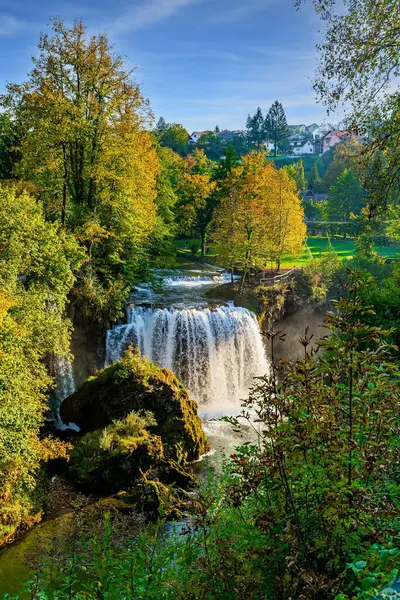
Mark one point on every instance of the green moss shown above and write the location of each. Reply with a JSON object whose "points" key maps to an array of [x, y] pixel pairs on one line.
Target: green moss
{"points": [[112, 458], [136, 384]]}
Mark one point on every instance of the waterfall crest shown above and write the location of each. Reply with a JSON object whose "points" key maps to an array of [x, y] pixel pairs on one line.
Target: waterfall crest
{"points": [[216, 353]]}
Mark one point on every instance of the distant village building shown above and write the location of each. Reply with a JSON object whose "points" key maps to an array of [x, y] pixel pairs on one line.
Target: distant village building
{"points": [[225, 134], [332, 138], [308, 196], [322, 130], [196, 135], [301, 147], [299, 128], [269, 145]]}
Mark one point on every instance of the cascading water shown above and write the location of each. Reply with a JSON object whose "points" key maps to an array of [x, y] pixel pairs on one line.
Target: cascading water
{"points": [[65, 386], [216, 353]]}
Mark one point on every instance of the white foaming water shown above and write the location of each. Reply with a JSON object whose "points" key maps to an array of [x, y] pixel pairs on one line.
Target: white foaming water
{"points": [[197, 281], [215, 353], [65, 386]]}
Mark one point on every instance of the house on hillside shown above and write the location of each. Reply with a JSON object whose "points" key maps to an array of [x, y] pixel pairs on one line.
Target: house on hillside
{"points": [[308, 195], [196, 135], [332, 138], [298, 128], [301, 147], [227, 134], [322, 130], [311, 128], [269, 145]]}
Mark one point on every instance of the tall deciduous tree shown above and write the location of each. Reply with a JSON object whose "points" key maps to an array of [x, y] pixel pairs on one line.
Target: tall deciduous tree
{"points": [[345, 198], [256, 129], [85, 147], [260, 217], [197, 198], [296, 172], [276, 125], [173, 135]]}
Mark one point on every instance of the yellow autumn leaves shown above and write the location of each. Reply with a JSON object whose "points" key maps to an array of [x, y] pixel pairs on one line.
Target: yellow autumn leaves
{"points": [[260, 219]]}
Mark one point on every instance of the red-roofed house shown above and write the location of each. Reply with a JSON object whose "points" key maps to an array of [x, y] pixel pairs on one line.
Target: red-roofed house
{"points": [[196, 135], [332, 138]]}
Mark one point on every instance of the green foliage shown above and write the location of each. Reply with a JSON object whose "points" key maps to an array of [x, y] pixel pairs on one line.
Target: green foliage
{"points": [[212, 144], [8, 141], [325, 273], [256, 129], [194, 247], [112, 458], [276, 126], [345, 198], [315, 179], [37, 260], [173, 135]]}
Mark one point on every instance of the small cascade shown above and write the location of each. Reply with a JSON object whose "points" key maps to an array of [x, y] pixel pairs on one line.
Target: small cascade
{"points": [[65, 386], [216, 353], [197, 280]]}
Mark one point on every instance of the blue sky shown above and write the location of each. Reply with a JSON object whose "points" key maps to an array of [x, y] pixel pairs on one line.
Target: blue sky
{"points": [[200, 62]]}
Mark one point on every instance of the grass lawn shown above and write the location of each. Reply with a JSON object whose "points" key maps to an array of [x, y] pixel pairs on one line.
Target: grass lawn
{"points": [[317, 246]]}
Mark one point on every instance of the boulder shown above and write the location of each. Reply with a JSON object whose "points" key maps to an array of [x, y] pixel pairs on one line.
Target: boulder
{"points": [[135, 384], [110, 459]]}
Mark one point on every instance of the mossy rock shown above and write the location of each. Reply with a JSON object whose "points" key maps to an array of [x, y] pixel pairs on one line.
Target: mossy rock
{"points": [[107, 460], [135, 384]]}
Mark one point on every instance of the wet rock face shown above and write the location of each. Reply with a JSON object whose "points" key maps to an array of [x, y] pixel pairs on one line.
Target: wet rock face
{"points": [[135, 384]]}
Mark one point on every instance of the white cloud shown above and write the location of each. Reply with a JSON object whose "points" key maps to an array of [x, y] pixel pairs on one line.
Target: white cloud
{"points": [[10, 25], [146, 14]]}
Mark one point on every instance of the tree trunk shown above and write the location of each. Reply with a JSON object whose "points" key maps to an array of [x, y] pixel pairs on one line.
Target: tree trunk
{"points": [[242, 279], [203, 245]]}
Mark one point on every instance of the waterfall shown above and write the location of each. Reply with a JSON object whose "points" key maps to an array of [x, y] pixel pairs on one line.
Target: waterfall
{"points": [[216, 353], [65, 386], [196, 280]]}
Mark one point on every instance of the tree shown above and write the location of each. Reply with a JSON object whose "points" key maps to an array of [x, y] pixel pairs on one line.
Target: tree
{"points": [[241, 143], [315, 179], [256, 129], [276, 126], [37, 262], [259, 219], [171, 170], [229, 160], [8, 141], [296, 172], [345, 156], [345, 198], [197, 199], [212, 144], [174, 136], [217, 130], [85, 148]]}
